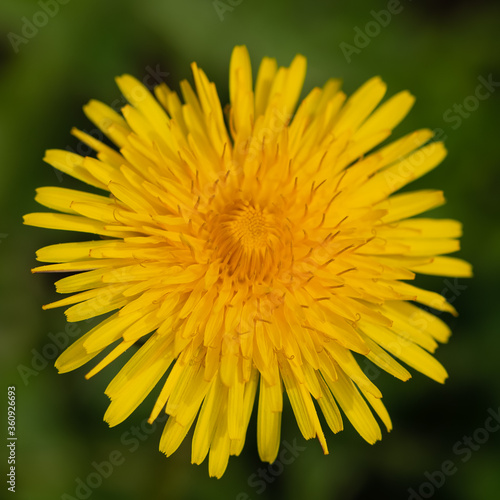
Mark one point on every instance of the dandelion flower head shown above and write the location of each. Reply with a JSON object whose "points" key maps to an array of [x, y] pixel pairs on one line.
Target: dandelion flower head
{"points": [[252, 251]]}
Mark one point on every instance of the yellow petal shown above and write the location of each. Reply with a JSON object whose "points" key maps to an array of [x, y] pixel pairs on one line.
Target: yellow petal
{"points": [[108, 120], [137, 379], [445, 266], [70, 223], [387, 116], [407, 351], [360, 105], [71, 164], [265, 77], [406, 205], [355, 407], [268, 426], [207, 421]]}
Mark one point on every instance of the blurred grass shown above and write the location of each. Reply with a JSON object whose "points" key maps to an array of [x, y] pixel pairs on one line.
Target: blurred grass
{"points": [[436, 51]]}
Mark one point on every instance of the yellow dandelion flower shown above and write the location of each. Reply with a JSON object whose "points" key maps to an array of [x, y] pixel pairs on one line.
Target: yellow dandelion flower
{"points": [[255, 249]]}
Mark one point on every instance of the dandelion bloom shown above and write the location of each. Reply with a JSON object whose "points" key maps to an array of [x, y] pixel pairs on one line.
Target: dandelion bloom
{"points": [[260, 248]]}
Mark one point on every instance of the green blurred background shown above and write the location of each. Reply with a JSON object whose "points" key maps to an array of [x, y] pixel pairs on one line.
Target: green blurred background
{"points": [[439, 51]]}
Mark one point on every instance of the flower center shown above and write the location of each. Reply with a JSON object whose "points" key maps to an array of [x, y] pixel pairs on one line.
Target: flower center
{"points": [[247, 238], [248, 226]]}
